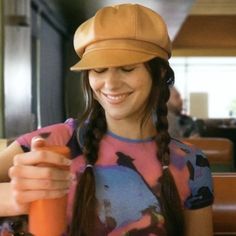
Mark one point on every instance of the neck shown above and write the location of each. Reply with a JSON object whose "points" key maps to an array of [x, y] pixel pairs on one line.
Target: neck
{"points": [[132, 130]]}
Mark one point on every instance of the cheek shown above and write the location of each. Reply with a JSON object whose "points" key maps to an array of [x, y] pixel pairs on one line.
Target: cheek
{"points": [[94, 84], [91, 82], [141, 82], [146, 86]]}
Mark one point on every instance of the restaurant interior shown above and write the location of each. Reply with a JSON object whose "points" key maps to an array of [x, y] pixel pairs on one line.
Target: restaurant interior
{"points": [[37, 87]]}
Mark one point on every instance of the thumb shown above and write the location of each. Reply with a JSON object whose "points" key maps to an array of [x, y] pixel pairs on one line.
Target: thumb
{"points": [[37, 142]]}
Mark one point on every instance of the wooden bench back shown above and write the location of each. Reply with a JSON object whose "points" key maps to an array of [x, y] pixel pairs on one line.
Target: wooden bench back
{"points": [[224, 207], [219, 151]]}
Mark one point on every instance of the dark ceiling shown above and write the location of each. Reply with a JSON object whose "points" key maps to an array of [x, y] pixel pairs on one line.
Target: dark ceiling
{"points": [[191, 23], [173, 11]]}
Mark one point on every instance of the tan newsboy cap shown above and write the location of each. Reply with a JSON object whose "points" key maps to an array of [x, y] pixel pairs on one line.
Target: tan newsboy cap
{"points": [[121, 35]]}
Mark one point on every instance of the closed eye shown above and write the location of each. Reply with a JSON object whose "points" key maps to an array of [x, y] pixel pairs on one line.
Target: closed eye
{"points": [[99, 70], [127, 68]]}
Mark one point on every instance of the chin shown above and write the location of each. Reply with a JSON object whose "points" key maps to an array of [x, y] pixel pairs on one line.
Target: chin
{"points": [[117, 115]]}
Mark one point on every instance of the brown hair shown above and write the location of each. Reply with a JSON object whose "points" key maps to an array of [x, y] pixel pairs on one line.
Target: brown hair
{"points": [[84, 210]]}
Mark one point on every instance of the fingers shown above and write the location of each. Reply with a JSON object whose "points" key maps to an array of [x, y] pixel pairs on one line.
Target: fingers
{"points": [[39, 184], [41, 153], [41, 156], [38, 172], [37, 142], [29, 196]]}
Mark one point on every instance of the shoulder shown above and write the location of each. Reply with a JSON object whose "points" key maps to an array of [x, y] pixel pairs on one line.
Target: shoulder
{"points": [[55, 134], [185, 119], [187, 156], [189, 152]]}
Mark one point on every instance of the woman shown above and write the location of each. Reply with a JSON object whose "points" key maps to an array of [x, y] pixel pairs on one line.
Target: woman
{"points": [[130, 177]]}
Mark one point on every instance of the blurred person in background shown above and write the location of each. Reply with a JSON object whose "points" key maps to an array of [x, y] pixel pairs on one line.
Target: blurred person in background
{"points": [[180, 125]]}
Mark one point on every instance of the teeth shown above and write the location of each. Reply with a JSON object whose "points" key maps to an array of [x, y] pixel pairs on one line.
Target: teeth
{"points": [[115, 97]]}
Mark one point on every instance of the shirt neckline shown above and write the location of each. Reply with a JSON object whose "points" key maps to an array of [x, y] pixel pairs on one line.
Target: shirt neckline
{"points": [[128, 140]]}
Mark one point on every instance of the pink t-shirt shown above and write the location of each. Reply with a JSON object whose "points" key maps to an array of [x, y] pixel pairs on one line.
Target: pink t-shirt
{"points": [[127, 173]]}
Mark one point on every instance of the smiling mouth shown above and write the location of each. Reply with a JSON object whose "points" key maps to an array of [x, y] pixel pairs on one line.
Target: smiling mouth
{"points": [[114, 99]]}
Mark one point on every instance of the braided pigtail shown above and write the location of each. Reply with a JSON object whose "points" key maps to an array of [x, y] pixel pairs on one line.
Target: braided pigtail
{"points": [[171, 203], [84, 208]]}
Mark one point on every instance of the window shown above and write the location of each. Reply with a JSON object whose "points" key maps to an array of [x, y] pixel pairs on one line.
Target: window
{"points": [[207, 85]]}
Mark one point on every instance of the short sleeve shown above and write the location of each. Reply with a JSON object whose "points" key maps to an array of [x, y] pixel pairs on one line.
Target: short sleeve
{"points": [[57, 134], [200, 180]]}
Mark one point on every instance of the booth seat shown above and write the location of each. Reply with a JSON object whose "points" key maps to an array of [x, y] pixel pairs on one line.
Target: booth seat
{"points": [[219, 151], [224, 207]]}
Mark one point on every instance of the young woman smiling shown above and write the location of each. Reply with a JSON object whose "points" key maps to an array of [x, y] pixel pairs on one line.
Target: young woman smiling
{"points": [[130, 176]]}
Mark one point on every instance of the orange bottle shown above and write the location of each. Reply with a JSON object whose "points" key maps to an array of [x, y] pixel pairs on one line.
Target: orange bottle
{"points": [[47, 217]]}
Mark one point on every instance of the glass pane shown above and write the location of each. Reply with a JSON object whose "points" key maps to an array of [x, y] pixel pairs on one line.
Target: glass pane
{"points": [[212, 77]]}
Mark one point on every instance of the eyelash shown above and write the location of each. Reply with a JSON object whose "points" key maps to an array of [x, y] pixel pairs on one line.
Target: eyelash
{"points": [[100, 71], [124, 69], [127, 69]]}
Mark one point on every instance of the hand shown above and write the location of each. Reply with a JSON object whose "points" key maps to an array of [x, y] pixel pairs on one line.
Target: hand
{"points": [[30, 180]]}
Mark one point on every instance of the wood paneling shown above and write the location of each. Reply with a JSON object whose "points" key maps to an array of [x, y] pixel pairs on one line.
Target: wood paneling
{"points": [[207, 32], [214, 7]]}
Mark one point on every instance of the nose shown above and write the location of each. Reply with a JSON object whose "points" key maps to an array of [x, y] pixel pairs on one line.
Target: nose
{"points": [[112, 80]]}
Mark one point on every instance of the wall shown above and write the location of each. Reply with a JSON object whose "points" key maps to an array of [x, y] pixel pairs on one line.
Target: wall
{"points": [[17, 68], [48, 64], [33, 65]]}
